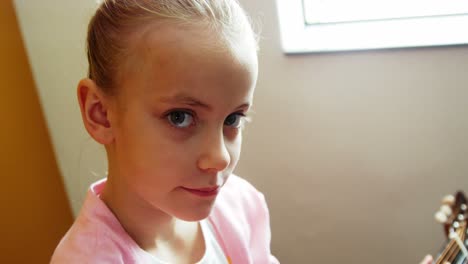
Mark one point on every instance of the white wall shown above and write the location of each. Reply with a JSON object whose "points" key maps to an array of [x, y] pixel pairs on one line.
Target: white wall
{"points": [[353, 150], [54, 32]]}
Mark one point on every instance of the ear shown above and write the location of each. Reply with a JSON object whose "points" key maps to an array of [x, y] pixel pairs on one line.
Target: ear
{"points": [[94, 108]]}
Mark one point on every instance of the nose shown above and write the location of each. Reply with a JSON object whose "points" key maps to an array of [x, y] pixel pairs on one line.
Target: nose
{"points": [[214, 155]]}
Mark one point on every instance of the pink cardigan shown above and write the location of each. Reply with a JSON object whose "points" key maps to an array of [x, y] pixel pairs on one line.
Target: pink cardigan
{"points": [[240, 219]]}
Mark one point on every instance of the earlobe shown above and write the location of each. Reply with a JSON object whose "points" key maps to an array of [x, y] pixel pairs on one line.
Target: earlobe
{"points": [[94, 111]]}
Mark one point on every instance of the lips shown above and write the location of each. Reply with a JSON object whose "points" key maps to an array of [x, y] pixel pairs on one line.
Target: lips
{"points": [[203, 192]]}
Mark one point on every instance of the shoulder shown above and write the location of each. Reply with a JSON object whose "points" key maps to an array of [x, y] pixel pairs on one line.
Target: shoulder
{"points": [[241, 220], [240, 194], [85, 242], [241, 202], [94, 237]]}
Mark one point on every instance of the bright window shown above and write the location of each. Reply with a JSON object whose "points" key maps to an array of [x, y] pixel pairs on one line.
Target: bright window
{"points": [[334, 25]]}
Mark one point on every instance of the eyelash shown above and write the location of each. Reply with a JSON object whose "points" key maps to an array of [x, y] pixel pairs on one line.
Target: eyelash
{"points": [[242, 120], [167, 116]]}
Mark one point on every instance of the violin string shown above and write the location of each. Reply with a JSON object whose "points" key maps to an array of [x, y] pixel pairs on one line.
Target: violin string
{"points": [[452, 249], [456, 237], [447, 254], [457, 249]]}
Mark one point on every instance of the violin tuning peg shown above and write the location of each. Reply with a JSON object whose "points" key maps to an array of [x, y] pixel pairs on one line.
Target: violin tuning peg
{"points": [[440, 217], [448, 200], [446, 210]]}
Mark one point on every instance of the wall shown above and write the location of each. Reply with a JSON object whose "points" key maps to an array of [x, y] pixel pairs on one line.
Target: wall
{"points": [[34, 206], [353, 150], [54, 34]]}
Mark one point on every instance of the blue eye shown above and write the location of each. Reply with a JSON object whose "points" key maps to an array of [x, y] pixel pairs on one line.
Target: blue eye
{"points": [[234, 120], [180, 119]]}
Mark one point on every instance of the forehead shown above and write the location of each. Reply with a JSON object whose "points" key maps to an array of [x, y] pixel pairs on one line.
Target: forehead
{"points": [[169, 59]]}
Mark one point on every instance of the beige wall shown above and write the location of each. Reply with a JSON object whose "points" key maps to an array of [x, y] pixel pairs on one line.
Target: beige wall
{"points": [[35, 212], [353, 150]]}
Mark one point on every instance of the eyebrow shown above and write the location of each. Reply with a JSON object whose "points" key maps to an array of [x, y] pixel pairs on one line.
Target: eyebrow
{"points": [[189, 100]]}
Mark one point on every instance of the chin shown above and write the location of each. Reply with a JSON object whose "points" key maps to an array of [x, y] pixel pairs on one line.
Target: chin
{"points": [[194, 215]]}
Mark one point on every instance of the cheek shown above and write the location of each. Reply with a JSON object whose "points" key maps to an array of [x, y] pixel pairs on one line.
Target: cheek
{"points": [[159, 168], [235, 150], [144, 150]]}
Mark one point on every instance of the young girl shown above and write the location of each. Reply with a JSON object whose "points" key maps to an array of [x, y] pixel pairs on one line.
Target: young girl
{"points": [[170, 84]]}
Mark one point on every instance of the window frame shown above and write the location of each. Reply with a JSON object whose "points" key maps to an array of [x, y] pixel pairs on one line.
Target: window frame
{"points": [[298, 37]]}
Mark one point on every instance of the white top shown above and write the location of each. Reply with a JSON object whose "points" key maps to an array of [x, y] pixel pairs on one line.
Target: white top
{"points": [[213, 252]]}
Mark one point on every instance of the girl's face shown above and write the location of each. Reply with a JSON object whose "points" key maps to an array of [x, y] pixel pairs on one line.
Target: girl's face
{"points": [[177, 117]]}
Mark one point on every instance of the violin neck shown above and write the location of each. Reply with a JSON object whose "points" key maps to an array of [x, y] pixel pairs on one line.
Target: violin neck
{"points": [[452, 254]]}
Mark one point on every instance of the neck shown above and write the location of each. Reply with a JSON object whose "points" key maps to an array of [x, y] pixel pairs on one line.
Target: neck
{"points": [[152, 229]]}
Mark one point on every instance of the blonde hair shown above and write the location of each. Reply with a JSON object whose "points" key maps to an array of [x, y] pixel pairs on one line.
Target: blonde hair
{"points": [[115, 18]]}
